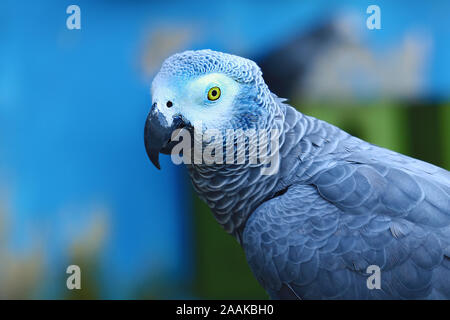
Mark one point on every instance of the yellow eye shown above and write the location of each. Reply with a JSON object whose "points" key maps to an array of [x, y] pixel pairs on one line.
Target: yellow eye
{"points": [[214, 93]]}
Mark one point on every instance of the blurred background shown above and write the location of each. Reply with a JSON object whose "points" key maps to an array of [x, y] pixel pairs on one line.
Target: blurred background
{"points": [[76, 186]]}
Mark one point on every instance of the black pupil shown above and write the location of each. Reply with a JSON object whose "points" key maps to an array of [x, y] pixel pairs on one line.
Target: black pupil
{"points": [[214, 93], [169, 104]]}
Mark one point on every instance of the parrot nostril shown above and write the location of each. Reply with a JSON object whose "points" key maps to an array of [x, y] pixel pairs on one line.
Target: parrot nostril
{"points": [[169, 104]]}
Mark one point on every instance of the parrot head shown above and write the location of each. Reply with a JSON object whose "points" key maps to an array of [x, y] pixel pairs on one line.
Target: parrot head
{"points": [[204, 90]]}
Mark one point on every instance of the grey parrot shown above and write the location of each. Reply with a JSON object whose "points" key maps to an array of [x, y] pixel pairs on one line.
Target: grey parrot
{"points": [[335, 208]]}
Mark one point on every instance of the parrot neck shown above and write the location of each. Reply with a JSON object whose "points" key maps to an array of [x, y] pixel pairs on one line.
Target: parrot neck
{"points": [[234, 191]]}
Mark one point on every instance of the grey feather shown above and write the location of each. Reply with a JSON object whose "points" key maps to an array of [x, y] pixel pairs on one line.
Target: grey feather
{"points": [[353, 205], [336, 205]]}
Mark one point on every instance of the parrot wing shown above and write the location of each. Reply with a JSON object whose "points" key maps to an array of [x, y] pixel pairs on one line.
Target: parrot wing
{"points": [[317, 239]]}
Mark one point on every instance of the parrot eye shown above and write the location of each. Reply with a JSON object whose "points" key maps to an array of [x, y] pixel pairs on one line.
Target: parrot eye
{"points": [[214, 93]]}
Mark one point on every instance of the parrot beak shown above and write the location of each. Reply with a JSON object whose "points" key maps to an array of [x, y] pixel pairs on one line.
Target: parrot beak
{"points": [[157, 134]]}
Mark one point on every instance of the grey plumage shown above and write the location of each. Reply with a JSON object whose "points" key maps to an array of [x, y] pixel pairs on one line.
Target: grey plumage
{"points": [[349, 205], [336, 206]]}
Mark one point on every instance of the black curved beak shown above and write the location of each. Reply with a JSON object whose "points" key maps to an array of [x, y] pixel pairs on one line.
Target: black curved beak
{"points": [[157, 134]]}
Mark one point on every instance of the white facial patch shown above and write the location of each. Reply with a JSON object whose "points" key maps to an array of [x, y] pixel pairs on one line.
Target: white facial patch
{"points": [[197, 107], [162, 93], [189, 97]]}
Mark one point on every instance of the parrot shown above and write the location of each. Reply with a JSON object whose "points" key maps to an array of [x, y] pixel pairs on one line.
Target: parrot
{"points": [[339, 218]]}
